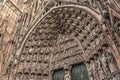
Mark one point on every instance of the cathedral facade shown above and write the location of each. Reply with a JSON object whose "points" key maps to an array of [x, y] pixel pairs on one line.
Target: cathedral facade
{"points": [[59, 39]]}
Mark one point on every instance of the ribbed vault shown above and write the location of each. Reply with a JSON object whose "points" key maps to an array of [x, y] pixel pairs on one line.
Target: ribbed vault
{"points": [[64, 36]]}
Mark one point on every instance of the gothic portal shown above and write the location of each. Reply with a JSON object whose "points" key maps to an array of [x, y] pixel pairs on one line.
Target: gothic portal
{"points": [[64, 40]]}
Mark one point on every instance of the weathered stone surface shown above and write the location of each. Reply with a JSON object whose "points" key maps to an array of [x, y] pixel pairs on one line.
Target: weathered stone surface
{"points": [[38, 37]]}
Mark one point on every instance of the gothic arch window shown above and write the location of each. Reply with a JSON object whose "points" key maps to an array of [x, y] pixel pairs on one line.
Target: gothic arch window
{"points": [[79, 72]]}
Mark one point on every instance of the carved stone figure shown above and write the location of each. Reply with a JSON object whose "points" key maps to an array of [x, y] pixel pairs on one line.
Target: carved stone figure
{"points": [[52, 34], [90, 71], [67, 75]]}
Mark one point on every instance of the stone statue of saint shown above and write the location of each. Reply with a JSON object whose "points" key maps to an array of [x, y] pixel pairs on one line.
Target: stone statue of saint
{"points": [[100, 70], [67, 75], [111, 62], [90, 70]]}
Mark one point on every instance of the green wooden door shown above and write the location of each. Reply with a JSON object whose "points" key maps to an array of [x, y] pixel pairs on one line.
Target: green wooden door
{"points": [[79, 72], [58, 75]]}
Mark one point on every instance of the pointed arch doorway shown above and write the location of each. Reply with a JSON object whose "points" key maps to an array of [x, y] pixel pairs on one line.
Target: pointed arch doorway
{"points": [[65, 35]]}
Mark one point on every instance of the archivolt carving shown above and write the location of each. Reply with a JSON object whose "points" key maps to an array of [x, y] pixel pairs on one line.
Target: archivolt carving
{"points": [[64, 36]]}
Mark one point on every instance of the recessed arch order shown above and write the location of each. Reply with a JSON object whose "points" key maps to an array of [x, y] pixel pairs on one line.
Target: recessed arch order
{"points": [[78, 25], [94, 14]]}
